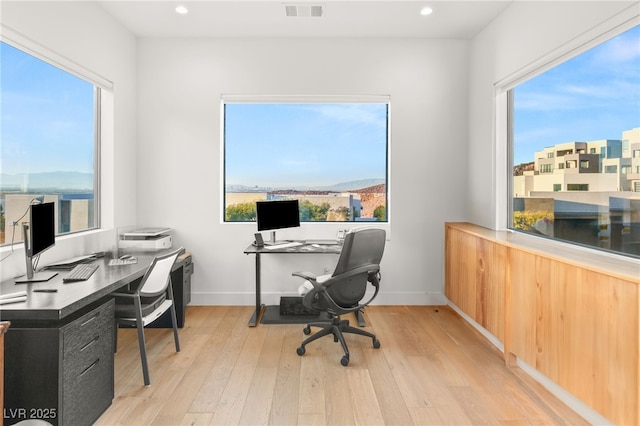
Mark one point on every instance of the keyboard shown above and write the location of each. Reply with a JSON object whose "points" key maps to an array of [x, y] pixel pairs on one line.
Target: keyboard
{"points": [[118, 262], [81, 272], [322, 242], [281, 246]]}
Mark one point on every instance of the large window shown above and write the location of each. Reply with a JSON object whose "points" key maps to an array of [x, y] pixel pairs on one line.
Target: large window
{"points": [[331, 155], [586, 110], [49, 143]]}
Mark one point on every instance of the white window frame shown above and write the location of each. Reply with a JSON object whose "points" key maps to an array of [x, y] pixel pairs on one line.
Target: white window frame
{"points": [[301, 99], [101, 84], [503, 132]]}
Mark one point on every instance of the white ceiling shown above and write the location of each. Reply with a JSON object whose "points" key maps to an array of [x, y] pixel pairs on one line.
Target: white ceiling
{"points": [[266, 18]]}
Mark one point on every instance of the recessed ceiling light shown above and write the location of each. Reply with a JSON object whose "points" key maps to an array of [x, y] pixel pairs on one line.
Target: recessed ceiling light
{"points": [[426, 11], [182, 10]]}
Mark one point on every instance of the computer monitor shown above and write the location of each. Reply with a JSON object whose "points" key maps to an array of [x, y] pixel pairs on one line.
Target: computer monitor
{"points": [[279, 214], [39, 235]]}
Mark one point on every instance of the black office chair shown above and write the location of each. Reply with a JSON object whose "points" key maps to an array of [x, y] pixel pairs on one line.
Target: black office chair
{"points": [[148, 301], [342, 291]]}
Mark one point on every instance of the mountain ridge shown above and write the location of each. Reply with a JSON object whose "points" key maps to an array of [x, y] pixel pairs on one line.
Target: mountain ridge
{"points": [[351, 186], [44, 180]]}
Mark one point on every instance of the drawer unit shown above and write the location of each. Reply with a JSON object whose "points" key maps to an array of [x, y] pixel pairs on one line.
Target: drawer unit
{"points": [[88, 365], [61, 373]]}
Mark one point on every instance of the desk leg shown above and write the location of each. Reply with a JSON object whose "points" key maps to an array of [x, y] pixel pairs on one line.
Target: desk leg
{"points": [[257, 314]]}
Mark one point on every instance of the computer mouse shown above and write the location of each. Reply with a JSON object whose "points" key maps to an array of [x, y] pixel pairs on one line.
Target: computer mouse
{"points": [[125, 257]]}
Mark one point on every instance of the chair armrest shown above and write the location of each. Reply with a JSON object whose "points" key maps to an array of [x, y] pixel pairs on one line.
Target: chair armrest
{"points": [[306, 275], [130, 295], [356, 271]]}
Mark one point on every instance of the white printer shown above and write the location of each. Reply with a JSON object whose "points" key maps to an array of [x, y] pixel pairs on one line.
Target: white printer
{"points": [[146, 239]]}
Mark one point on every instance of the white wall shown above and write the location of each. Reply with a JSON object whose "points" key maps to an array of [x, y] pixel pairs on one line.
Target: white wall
{"points": [[162, 161], [180, 83], [523, 34], [82, 33]]}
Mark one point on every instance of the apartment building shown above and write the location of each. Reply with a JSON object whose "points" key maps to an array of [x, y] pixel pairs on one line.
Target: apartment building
{"points": [[607, 165]]}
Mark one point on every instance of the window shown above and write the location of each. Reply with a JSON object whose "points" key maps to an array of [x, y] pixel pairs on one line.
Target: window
{"points": [[577, 187], [586, 104], [329, 154], [48, 128]]}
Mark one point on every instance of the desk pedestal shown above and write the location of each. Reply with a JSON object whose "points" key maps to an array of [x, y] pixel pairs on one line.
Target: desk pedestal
{"points": [[62, 372]]}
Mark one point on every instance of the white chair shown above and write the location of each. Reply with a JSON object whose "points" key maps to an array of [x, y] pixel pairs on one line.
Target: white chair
{"points": [[146, 303]]}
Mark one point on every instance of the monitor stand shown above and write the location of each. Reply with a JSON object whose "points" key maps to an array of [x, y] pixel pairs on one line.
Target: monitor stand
{"points": [[273, 241], [37, 277]]}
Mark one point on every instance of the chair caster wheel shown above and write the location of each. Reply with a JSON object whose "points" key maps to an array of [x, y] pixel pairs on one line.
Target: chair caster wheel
{"points": [[376, 343], [300, 351], [307, 330], [344, 361]]}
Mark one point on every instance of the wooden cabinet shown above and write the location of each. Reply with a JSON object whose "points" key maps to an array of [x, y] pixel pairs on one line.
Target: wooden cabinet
{"points": [[61, 373], [476, 272], [576, 320]]}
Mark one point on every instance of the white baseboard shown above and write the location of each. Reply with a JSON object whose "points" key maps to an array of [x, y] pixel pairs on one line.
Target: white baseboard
{"points": [[249, 299]]}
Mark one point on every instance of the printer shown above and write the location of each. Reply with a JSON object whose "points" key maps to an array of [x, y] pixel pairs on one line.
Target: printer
{"points": [[146, 239]]}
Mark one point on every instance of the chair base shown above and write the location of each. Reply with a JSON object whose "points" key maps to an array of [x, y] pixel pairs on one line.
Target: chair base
{"points": [[337, 327]]}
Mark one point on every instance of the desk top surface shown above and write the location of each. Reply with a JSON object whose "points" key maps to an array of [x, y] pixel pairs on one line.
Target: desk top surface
{"points": [[304, 248], [73, 296]]}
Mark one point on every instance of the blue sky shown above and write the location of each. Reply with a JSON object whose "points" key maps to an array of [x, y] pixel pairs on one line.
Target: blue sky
{"points": [[593, 96], [312, 144], [45, 114]]}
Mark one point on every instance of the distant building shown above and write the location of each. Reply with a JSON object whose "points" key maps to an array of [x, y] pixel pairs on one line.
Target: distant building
{"points": [[631, 149], [604, 165], [338, 201], [585, 192], [73, 212]]}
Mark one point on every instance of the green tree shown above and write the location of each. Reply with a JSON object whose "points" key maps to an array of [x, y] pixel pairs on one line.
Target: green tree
{"points": [[310, 212], [380, 212], [526, 220], [242, 212]]}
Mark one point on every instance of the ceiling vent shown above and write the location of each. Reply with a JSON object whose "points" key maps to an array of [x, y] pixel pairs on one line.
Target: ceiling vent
{"points": [[304, 10]]}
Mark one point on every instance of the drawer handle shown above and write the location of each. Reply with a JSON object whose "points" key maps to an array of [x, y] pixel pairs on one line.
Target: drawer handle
{"points": [[86, 370], [94, 340], [90, 319]]}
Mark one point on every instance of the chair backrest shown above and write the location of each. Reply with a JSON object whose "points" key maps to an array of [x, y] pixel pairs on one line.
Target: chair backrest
{"points": [[361, 247], [156, 279]]}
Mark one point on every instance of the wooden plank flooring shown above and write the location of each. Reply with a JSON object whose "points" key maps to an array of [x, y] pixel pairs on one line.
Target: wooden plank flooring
{"points": [[432, 369]]}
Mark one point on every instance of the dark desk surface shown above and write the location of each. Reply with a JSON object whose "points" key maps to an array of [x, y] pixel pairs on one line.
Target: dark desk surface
{"points": [[70, 297], [301, 249]]}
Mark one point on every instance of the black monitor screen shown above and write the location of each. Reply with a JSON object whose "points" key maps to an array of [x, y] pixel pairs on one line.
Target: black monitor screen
{"points": [[43, 233], [277, 214]]}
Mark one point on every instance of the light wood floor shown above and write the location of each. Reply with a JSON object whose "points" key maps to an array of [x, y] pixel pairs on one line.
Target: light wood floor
{"points": [[432, 369]]}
